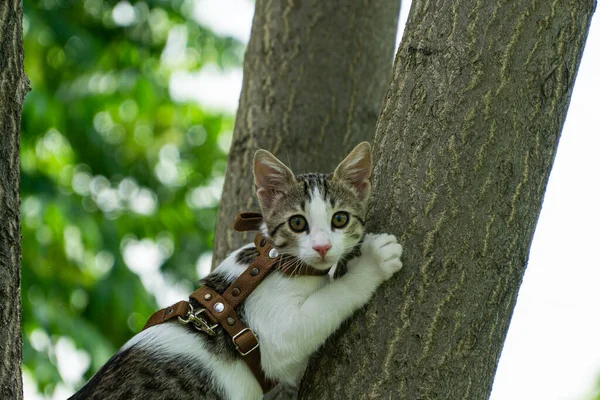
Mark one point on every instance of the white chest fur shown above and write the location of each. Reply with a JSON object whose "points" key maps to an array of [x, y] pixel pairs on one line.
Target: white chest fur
{"points": [[273, 313]]}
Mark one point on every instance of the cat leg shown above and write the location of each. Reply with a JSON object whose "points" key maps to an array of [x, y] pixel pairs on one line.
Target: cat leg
{"points": [[329, 306], [325, 309]]}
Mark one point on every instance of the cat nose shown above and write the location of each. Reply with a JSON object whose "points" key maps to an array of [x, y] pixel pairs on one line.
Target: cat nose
{"points": [[322, 248]]}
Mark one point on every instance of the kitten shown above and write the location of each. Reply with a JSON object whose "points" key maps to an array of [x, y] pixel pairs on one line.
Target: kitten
{"points": [[319, 218]]}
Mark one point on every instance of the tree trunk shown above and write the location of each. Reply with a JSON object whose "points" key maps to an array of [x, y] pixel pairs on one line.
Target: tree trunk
{"points": [[463, 150], [13, 87], [314, 81]]}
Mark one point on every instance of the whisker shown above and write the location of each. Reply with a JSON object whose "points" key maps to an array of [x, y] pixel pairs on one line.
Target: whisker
{"points": [[298, 265]]}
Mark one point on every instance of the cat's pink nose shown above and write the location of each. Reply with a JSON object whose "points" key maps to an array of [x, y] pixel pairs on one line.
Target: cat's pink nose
{"points": [[322, 248]]}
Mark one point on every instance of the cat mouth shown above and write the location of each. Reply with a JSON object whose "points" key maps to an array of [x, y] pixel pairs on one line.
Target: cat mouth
{"points": [[297, 266], [317, 263], [321, 263]]}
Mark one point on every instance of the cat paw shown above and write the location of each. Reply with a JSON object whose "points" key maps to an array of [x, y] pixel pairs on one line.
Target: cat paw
{"points": [[386, 252]]}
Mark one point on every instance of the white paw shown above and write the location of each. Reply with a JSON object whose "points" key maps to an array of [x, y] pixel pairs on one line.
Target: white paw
{"points": [[386, 252]]}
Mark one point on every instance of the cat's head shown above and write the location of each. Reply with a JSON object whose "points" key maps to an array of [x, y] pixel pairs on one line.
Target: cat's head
{"points": [[315, 217]]}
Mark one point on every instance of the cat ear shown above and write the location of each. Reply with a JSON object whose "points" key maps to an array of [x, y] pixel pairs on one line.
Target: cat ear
{"points": [[356, 169], [271, 177]]}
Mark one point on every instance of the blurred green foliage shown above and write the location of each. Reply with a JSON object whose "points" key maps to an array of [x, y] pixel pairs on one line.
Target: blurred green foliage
{"points": [[112, 168]]}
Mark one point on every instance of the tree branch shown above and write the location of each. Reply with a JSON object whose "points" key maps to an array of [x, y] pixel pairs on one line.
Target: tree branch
{"points": [[463, 150]]}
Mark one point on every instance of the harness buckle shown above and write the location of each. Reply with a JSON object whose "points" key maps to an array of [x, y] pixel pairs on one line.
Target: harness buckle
{"points": [[238, 348], [199, 323]]}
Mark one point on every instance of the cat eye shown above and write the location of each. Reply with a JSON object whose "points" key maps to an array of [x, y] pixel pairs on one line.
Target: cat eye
{"points": [[340, 219], [298, 223]]}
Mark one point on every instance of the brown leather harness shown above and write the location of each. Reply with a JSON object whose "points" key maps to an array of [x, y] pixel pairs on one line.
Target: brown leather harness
{"points": [[220, 309]]}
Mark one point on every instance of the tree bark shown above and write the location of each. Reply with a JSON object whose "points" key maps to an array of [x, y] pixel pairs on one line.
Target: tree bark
{"points": [[13, 87], [463, 150], [314, 80]]}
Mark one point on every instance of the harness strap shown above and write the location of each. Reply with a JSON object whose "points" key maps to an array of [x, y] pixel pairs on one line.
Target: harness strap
{"points": [[248, 221], [267, 261], [245, 340], [179, 309], [220, 309]]}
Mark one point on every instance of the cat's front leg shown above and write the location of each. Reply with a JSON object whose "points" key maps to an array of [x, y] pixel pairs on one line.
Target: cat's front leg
{"points": [[324, 310]]}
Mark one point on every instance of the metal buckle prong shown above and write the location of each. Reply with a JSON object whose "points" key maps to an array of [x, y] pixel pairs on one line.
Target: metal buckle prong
{"points": [[238, 348]]}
